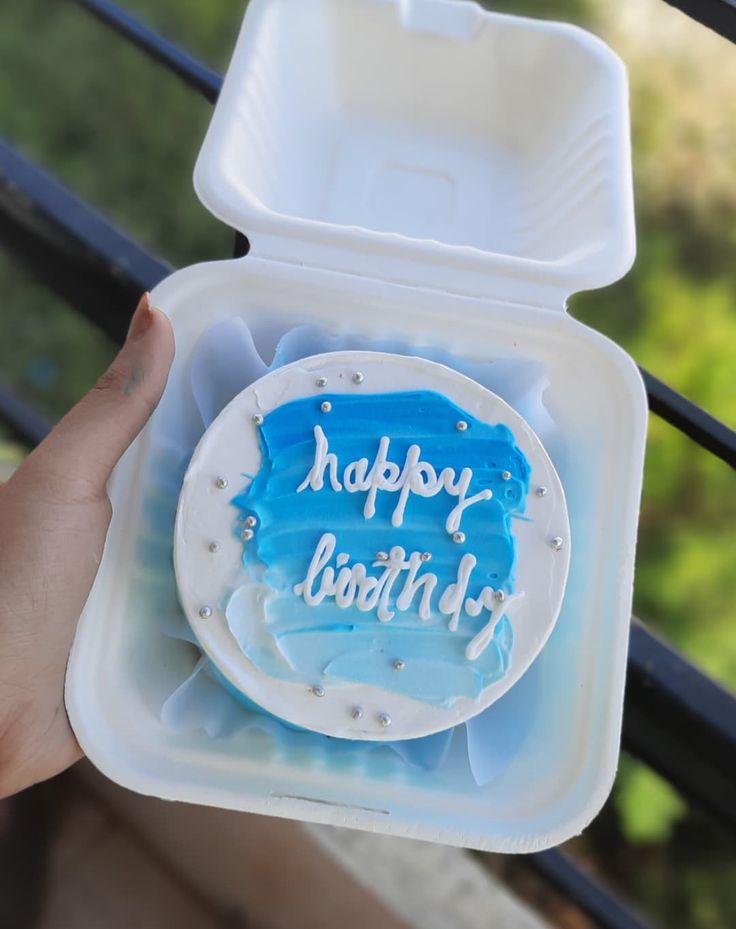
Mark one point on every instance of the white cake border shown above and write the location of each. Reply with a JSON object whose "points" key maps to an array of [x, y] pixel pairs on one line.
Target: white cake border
{"points": [[205, 515]]}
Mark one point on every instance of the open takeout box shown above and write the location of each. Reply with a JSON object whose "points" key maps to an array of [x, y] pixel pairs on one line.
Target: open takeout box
{"points": [[426, 171]]}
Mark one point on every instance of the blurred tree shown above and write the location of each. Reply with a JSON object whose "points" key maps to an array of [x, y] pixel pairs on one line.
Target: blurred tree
{"points": [[123, 133]]}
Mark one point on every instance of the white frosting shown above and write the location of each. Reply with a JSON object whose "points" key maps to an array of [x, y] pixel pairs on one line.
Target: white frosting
{"points": [[415, 477], [353, 586], [479, 643]]}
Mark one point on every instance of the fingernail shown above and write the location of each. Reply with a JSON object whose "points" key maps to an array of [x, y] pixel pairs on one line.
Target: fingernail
{"points": [[142, 319]]}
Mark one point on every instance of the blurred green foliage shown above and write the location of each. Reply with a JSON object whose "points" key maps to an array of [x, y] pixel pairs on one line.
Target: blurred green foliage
{"points": [[124, 134], [647, 805]]}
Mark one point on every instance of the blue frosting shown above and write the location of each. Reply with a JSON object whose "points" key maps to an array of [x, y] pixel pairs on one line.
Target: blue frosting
{"points": [[324, 642]]}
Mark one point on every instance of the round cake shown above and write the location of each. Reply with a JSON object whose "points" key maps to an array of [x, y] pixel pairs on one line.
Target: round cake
{"points": [[371, 546]]}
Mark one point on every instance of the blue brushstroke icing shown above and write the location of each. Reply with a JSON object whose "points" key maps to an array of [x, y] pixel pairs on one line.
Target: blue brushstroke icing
{"points": [[309, 643]]}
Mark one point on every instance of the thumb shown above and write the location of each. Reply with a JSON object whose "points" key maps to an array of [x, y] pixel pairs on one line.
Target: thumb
{"points": [[76, 458]]}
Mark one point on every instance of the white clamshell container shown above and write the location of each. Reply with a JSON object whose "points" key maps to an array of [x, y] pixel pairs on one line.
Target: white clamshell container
{"points": [[427, 171]]}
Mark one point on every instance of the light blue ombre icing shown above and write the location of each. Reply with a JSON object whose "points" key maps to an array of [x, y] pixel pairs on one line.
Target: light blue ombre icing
{"points": [[308, 643]]}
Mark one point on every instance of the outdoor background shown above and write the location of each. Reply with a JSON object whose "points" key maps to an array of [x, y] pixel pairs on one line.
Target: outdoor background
{"points": [[124, 134]]}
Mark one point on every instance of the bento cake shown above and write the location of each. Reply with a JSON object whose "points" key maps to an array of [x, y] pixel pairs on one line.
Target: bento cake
{"points": [[401, 545]]}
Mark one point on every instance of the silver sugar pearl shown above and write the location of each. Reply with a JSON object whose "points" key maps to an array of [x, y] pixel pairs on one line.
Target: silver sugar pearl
{"points": [[221, 483], [541, 491], [505, 475], [318, 691], [426, 556], [461, 425], [499, 596], [246, 535], [381, 556], [384, 719], [258, 419], [205, 612], [251, 521], [557, 543], [458, 537], [357, 712], [399, 664], [321, 382], [326, 406], [214, 547], [359, 377]]}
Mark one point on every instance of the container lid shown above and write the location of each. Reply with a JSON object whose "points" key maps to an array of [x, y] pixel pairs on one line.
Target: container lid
{"points": [[425, 142]]}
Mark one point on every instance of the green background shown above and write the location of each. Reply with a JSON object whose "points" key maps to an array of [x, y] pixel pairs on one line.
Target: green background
{"points": [[123, 133]]}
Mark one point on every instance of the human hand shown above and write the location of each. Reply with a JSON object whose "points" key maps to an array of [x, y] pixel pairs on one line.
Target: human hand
{"points": [[54, 516]]}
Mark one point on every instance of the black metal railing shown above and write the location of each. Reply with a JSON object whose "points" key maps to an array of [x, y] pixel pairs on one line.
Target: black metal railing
{"points": [[101, 272]]}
